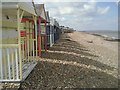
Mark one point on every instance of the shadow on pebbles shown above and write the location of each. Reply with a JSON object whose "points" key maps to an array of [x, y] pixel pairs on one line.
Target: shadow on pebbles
{"points": [[69, 65]]}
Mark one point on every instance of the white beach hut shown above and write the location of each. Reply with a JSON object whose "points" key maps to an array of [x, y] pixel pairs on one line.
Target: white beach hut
{"points": [[18, 26]]}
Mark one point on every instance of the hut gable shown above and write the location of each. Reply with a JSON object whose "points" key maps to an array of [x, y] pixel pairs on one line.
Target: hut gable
{"points": [[40, 10], [47, 16]]}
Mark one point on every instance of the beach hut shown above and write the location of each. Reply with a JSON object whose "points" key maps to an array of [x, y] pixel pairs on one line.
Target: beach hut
{"points": [[62, 29], [42, 37], [48, 29], [56, 31], [52, 20], [18, 45]]}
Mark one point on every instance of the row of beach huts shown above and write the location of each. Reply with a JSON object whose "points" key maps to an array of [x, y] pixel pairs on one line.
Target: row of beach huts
{"points": [[27, 29]]}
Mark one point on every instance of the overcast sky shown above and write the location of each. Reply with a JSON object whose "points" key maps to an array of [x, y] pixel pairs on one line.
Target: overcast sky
{"points": [[85, 15]]}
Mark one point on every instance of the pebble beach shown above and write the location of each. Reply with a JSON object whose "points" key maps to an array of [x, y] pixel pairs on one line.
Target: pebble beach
{"points": [[77, 60]]}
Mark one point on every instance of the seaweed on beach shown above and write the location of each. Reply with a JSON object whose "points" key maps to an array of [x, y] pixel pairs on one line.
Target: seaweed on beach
{"points": [[107, 38], [113, 40], [97, 35]]}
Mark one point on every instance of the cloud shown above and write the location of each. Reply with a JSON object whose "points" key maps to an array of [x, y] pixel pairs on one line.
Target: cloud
{"points": [[82, 15], [66, 10], [80, 9], [60, 19], [103, 10], [53, 12]]}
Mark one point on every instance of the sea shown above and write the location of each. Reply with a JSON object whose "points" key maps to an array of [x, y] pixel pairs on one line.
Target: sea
{"points": [[106, 33]]}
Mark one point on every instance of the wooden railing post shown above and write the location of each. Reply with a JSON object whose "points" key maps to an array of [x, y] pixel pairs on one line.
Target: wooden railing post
{"points": [[19, 42], [35, 20]]}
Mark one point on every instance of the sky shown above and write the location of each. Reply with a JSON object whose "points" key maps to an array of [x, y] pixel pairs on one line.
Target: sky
{"points": [[85, 15]]}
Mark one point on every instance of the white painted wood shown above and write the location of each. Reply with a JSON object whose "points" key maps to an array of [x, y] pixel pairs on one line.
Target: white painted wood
{"points": [[35, 20], [21, 15], [8, 57], [23, 49], [19, 42], [28, 49], [0, 34], [40, 10], [16, 61], [47, 17], [42, 29], [33, 50], [11, 80], [11, 9], [12, 63], [7, 34], [28, 70], [8, 45], [1, 69]]}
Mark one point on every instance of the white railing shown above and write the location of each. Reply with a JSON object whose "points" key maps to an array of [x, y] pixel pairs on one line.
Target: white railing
{"points": [[11, 66], [9, 62]]}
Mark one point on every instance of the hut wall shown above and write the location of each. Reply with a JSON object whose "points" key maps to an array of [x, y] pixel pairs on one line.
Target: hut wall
{"points": [[43, 36], [48, 36], [51, 35], [42, 29], [9, 30]]}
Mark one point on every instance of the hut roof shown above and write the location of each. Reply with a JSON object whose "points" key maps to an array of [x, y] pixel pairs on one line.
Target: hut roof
{"points": [[47, 16], [13, 6], [40, 10]]}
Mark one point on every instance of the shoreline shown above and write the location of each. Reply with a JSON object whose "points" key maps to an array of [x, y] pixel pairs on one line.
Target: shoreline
{"points": [[107, 38]]}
